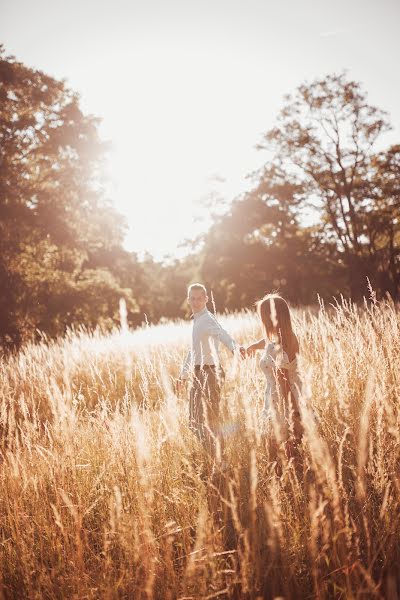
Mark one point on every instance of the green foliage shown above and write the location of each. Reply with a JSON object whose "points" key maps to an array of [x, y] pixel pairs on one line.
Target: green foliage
{"points": [[325, 135], [54, 219], [163, 287], [259, 246], [323, 166]]}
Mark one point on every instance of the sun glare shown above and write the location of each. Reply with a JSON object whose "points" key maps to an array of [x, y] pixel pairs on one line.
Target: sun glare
{"points": [[169, 133]]}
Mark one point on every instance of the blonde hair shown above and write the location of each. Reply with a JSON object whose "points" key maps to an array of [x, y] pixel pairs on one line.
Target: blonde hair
{"points": [[197, 286], [274, 314]]}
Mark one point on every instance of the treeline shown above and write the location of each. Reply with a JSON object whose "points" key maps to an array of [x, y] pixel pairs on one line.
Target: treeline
{"points": [[321, 216]]}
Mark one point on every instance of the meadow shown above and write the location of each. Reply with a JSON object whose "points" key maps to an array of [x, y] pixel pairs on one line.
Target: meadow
{"points": [[106, 493]]}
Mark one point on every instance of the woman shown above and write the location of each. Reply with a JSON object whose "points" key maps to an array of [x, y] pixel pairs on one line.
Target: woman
{"points": [[279, 364]]}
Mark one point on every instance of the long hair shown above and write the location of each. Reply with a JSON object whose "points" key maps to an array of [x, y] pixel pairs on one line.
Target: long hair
{"points": [[274, 314]]}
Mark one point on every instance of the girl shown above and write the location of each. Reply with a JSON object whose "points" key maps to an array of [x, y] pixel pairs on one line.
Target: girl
{"points": [[279, 363]]}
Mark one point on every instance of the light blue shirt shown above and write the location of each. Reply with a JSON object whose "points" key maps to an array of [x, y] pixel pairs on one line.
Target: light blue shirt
{"points": [[207, 333]]}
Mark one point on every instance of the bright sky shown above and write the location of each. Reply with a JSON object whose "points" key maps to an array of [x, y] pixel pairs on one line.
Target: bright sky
{"points": [[185, 88]]}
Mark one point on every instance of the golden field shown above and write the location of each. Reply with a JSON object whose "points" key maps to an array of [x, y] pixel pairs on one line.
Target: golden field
{"points": [[105, 492]]}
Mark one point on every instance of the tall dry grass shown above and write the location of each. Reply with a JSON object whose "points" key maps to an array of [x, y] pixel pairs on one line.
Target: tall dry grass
{"points": [[105, 493]]}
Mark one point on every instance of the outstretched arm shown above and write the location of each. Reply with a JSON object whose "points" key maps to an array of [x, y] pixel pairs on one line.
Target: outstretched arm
{"points": [[252, 349], [215, 330]]}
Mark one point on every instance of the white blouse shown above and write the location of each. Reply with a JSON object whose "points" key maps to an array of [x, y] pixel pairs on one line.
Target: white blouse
{"points": [[274, 358]]}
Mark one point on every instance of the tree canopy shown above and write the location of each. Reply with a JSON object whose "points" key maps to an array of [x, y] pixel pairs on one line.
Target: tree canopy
{"points": [[323, 215], [57, 230], [326, 135]]}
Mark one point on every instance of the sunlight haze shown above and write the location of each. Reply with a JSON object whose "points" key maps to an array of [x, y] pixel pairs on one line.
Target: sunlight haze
{"points": [[185, 89]]}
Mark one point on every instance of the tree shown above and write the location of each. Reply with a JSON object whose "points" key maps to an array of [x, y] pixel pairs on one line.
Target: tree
{"points": [[163, 287], [325, 137], [54, 218], [259, 246], [384, 218]]}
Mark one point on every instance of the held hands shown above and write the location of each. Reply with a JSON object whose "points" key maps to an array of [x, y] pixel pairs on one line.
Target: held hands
{"points": [[251, 349]]}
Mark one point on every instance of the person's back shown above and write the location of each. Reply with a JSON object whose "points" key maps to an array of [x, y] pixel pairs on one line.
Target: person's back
{"points": [[279, 360], [272, 359]]}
